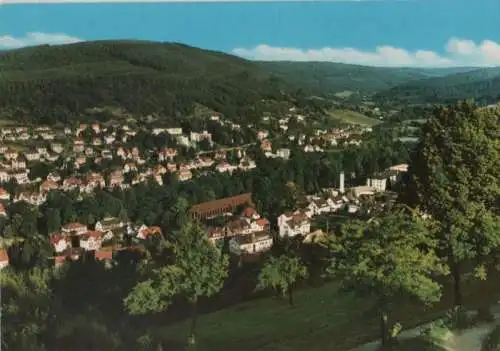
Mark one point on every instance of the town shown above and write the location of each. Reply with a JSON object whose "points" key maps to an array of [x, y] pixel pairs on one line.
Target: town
{"points": [[285, 176], [38, 160]]}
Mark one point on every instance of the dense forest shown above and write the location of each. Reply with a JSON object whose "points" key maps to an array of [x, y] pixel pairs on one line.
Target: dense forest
{"points": [[482, 85], [328, 78], [56, 83]]}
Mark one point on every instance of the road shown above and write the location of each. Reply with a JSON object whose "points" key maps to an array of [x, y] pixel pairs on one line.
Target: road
{"points": [[468, 340]]}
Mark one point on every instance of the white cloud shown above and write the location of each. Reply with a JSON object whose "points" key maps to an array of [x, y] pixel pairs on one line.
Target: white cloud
{"points": [[458, 52], [35, 38]]}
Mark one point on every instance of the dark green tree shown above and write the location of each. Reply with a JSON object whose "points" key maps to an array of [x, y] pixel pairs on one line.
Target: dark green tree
{"points": [[26, 309]]}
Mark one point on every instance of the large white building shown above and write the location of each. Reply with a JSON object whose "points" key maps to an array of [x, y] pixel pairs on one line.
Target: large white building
{"points": [[292, 224], [251, 244]]}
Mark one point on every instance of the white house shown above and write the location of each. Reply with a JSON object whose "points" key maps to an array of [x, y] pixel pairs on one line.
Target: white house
{"points": [[247, 164], [336, 203], [174, 131], [90, 241], [4, 194], [158, 131], [251, 244], [283, 153], [197, 137], [60, 242], [183, 140], [378, 181], [291, 224], [225, 167], [351, 208], [240, 226], [402, 168], [74, 228], [308, 148], [320, 206], [363, 190], [109, 223]]}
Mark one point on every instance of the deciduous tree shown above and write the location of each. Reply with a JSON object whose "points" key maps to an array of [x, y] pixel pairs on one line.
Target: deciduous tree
{"points": [[281, 273], [390, 257], [454, 177], [198, 269]]}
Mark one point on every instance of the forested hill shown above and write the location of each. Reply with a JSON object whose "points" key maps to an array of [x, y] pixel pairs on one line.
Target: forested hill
{"points": [[56, 83], [324, 78], [48, 84], [483, 85]]}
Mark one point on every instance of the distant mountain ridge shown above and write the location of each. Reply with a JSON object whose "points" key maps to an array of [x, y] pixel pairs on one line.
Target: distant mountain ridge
{"points": [[332, 77], [480, 84]]}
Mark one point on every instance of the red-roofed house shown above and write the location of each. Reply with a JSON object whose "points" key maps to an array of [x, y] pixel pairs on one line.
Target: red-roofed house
{"points": [[4, 258], [60, 242], [185, 174], [215, 234], [264, 223], [250, 212], [225, 167], [103, 255], [48, 185], [145, 232]]}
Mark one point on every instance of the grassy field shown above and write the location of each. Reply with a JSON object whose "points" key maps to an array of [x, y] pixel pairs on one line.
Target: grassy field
{"points": [[323, 319], [344, 94], [271, 324], [353, 117]]}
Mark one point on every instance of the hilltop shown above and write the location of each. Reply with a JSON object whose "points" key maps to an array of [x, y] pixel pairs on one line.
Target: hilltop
{"points": [[56, 83], [482, 85]]}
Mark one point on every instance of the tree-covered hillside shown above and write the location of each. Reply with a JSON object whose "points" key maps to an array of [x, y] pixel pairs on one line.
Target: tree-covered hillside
{"points": [[56, 83], [48, 84], [324, 78], [482, 85]]}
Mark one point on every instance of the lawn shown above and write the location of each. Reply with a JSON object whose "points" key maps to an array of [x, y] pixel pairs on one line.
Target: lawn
{"points": [[271, 324], [353, 117], [344, 94], [323, 319]]}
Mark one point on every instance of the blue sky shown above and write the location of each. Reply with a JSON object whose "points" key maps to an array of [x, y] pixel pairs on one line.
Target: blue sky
{"points": [[415, 33]]}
